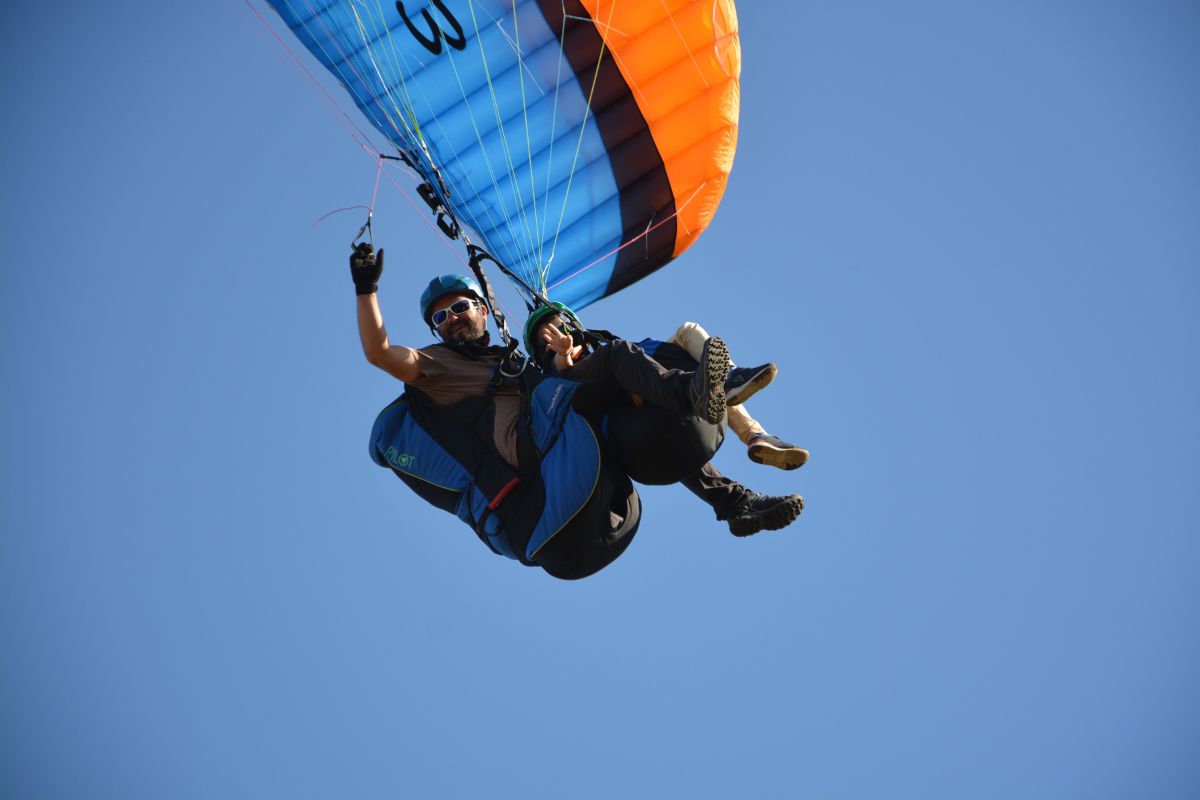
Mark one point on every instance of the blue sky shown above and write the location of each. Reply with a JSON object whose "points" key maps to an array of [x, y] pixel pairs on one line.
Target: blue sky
{"points": [[967, 233]]}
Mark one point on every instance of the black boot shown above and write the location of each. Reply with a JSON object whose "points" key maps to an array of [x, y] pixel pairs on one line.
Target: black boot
{"points": [[760, 512], [707, 388]]}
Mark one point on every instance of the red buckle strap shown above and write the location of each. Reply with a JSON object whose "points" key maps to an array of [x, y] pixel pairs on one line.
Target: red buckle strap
{"points": [[508, 487]]}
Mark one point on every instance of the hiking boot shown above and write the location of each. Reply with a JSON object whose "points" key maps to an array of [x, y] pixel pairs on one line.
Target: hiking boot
{"points": [[706, 391], [767, 449], [745, 381], [760, 512]]}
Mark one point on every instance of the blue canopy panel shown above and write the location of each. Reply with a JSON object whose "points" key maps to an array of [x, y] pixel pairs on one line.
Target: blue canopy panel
{"points": [[508, 129]]}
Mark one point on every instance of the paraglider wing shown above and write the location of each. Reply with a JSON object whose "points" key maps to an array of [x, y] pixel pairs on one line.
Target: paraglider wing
{"points": [[583, 143]]}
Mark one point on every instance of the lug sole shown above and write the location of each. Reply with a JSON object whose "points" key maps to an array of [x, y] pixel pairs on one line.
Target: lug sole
{"points": [[777, 516], [715, 363]]}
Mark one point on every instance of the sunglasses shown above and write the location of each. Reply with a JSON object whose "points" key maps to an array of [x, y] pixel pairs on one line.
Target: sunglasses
{"points": [[457, 308]]}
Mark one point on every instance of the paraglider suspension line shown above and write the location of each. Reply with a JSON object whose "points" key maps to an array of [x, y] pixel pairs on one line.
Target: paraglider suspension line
{"points": [[366, 228]]}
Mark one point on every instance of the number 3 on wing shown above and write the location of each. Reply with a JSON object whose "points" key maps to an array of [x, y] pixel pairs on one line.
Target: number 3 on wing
{"points": [[433, 41]]}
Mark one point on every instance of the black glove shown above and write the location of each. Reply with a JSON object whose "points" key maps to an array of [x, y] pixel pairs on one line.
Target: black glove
{"points": [[365, 268]]}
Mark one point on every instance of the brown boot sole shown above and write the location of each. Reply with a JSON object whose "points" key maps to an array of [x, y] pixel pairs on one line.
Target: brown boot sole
{"points": [[783, 458]]}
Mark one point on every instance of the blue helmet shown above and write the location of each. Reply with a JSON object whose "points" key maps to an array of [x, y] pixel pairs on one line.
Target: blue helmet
{"points": [[449, 284]]}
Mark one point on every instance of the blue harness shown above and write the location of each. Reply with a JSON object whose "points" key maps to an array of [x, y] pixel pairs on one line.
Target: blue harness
{"points": [[446, 455]]}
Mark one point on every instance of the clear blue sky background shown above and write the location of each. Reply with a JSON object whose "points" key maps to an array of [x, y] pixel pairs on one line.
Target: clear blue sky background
{"points": [[969, 233]]}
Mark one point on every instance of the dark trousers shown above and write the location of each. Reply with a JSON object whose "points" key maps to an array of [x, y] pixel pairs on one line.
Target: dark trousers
{"points": [[622, 366], [720, 492]]}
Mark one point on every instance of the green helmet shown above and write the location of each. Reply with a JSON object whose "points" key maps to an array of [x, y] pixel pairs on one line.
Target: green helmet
{"points": [[540, 315]]}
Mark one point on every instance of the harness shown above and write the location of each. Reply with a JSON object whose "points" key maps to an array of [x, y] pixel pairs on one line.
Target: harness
{"points": [[447, 455]]}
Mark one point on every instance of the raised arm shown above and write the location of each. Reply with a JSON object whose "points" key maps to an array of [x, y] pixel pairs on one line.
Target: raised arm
{"points": [[563, 347], [366, 267]]}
